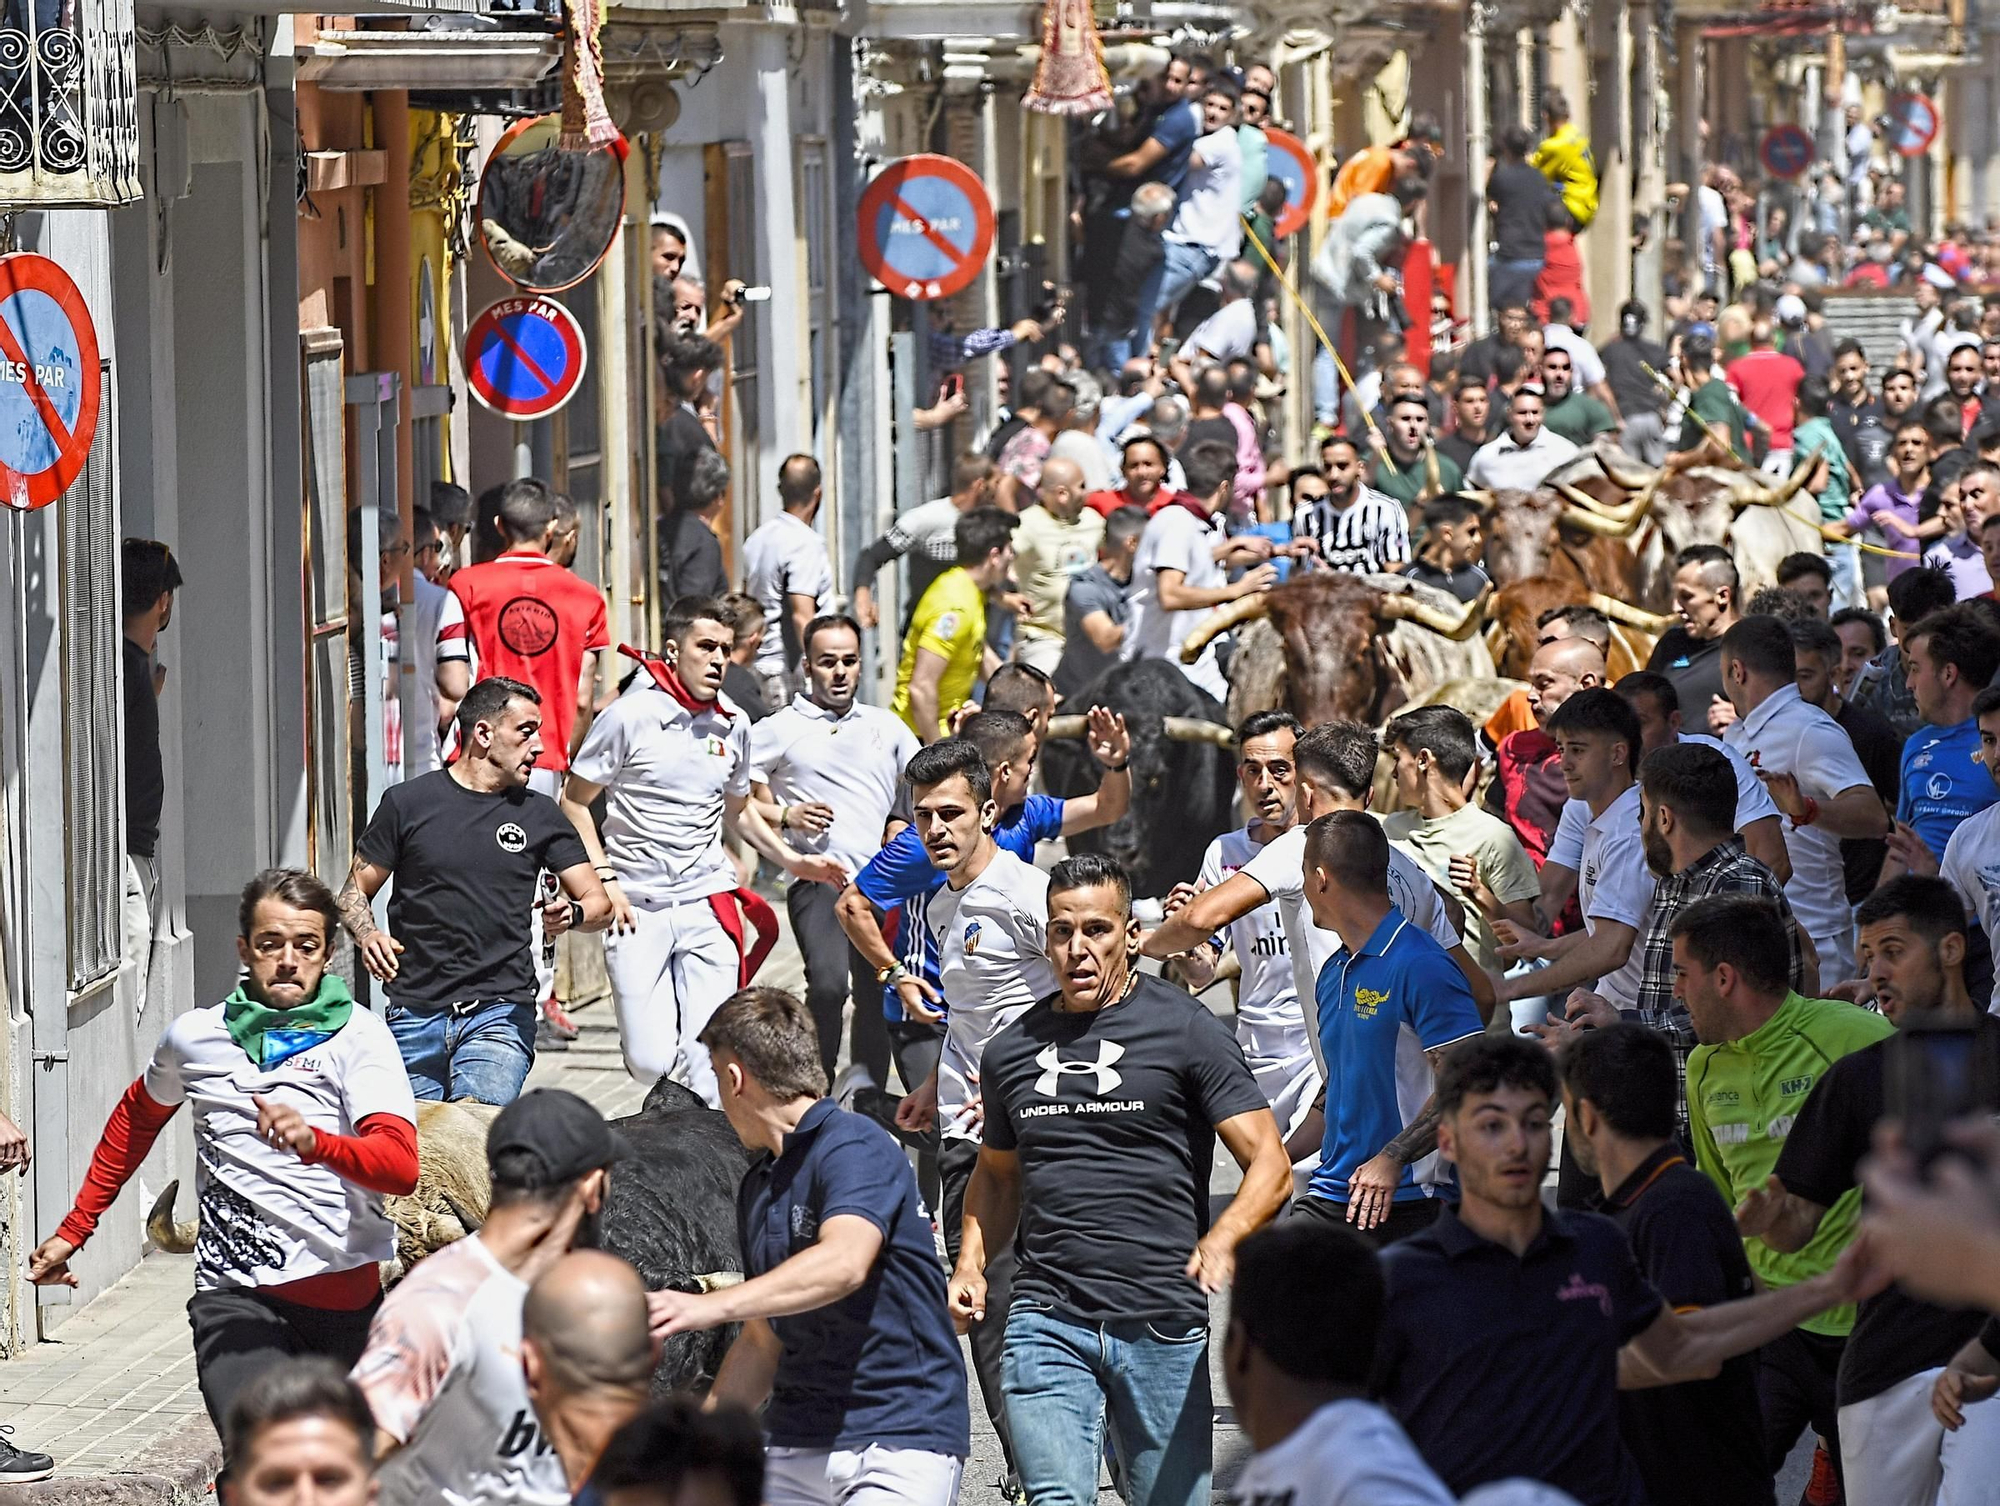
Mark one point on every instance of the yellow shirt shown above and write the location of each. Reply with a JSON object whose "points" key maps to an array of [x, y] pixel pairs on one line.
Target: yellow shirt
{"points": [[950, 621], [1565, 160], [1048, 555]]}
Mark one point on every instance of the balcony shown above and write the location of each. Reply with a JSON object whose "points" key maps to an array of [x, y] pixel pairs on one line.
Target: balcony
{"points": [[69, 130], [443, 55]]}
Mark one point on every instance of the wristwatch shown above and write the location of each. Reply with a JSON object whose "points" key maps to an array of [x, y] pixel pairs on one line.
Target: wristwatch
{"points": [[576, 914], [889, 974]]}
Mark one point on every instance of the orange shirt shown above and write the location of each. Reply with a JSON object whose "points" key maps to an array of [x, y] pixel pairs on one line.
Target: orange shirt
{"points": [[1372, 170]]}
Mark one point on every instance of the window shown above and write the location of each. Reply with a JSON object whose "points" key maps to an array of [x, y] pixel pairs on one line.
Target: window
{"points": [[329, 790], [69, 125], [92, 661]]}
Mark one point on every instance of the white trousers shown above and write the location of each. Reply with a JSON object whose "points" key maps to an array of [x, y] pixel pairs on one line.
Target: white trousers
{"points": [[1895, 1453], [1038, 652], [874, 1476], [667, 978], [543, 782], [139, 921]]}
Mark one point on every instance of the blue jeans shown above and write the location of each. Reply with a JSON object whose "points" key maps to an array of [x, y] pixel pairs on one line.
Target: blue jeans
{"points": [[481, 1049], [1181, 268], [1065, 1378], [1511, 281]]}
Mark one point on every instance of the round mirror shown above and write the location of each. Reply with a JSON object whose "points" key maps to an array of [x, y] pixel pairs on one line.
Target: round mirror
{"points": [[546, 216]]}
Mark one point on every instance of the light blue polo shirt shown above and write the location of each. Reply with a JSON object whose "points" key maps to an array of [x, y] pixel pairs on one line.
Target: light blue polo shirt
{"points": [[1380, 1010]]}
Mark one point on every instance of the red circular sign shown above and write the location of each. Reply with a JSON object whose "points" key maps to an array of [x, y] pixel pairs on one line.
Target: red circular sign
{"points": [[524, 357], [50, 381], [1786, 151], [926, 226], [1913, 122], [1292, 165]]}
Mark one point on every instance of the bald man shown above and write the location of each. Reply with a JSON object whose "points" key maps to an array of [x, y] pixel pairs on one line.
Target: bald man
{"points": [[1528, 790], [1055, 542], [586, 1354]]}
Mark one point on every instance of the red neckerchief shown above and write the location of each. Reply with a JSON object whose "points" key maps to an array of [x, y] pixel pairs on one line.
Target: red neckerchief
{"points": [[668, 679], [1191, 503]]}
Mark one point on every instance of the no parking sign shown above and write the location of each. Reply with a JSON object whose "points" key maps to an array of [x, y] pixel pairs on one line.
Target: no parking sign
{"points": [[50, 381], [1292, 165], [926, 226], [1912, 123], [1786, 151], [524, 357]]}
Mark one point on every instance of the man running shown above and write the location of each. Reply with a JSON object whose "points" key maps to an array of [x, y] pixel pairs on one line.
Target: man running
{"points": [[303, 1119], [673, 755]]}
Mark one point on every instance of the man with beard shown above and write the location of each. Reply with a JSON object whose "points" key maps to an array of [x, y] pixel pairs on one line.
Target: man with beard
{"points": [[1857, 414], [1569, 412], [1689, 654]]}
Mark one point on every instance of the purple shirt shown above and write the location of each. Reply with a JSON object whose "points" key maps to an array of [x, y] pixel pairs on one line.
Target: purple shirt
{"points": [[1959, 555], [1887, 497]]}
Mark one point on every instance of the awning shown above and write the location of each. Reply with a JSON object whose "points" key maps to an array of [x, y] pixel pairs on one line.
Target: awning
{"points": [[429, 61]]}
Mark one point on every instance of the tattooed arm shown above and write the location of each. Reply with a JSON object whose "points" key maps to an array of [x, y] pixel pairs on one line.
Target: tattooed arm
{"points": [[1371, 1191], [379, 950]]}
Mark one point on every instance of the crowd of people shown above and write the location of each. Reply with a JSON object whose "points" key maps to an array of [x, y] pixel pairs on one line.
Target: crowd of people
{"points": [[1720, 925]]}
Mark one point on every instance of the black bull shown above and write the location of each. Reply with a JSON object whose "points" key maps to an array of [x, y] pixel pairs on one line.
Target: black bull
{"points": [[1183, 786]]}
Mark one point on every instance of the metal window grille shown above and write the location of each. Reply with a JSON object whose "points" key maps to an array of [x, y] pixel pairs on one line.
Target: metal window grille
{"points": [[69, 125], [92, 833]]}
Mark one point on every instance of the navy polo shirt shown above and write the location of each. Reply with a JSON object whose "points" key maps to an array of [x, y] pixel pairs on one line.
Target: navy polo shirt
{"points": [[1498, 1365], [881, 1365]]}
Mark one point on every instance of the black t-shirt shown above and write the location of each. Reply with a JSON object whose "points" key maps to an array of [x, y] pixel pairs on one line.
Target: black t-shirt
{"points": [[1701, 1443], [1881, 754], [1519, 193], [1465, 583], [1694, 665], [466, 865], [145, 779], [1625, 363], [1204, 429], [1112, 1114], [1895, 1336], [1476, 364], [741, 684], [690, 558], [680, 439], [1459, 450], [1848, 419]]}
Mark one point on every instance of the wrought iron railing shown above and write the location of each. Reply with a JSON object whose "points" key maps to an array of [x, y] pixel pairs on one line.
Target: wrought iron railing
{"points": [[69, 125]]}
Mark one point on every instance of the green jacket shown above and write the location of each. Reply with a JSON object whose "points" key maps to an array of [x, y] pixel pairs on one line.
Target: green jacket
{"points": [[1579, 418], [1404, 482], [1742, 1099]]}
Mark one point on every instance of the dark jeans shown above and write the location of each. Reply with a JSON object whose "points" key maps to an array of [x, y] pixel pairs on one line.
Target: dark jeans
{"points": [[481, 1049], [1795, 1376], [1511, 281], [242, 1332], [955, 1161], [832, 968], [1404, 1219], [917, 1046]]}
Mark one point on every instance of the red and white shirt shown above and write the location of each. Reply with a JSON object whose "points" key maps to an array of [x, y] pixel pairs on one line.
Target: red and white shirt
{"points": [[527, 618]]}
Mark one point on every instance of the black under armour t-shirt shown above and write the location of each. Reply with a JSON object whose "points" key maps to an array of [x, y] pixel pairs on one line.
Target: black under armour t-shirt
{"points": [[1113, 1115], [465, 865]]}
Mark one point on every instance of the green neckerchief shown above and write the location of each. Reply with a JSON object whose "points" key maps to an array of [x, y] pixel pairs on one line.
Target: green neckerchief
{"points": [[270, 1036]]}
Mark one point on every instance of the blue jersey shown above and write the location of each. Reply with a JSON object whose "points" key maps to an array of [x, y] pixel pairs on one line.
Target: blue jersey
{"points": [[1380, 1010], [902, 874], [1943, 782]]}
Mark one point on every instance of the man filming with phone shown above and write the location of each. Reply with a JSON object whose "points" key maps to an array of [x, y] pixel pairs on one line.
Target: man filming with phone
{"points": [[1942, 1062]]}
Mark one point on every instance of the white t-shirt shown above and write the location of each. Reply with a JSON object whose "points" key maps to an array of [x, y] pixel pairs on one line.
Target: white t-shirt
{"points": [[668, 773], [991, 939], [1614, 884], [1714, 213], [1791, 736], [1175, 539], [853, 763], [1280, 871], [1229, 332], [442, 1373], [1348, 1453], [785, 557], [1971, 864], [1753, 803], [1583, 356], [420, 743], [266, 1216], [1212, 196], [1268, 1022]]}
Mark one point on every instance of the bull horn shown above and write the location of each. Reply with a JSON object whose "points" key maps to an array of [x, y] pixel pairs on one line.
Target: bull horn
{"points": [[1591, 521], [1779, 495], [1065, 726], [1404, 604], [1631, 616], [1220, 621], [1480, 494], [1618, 512], [175, 1239], [1192, 729], [715, 1281], [467, 1220], [1617, 475]]}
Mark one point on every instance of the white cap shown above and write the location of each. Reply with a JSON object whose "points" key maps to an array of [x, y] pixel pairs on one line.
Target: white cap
{"points": [[1791, 310]]}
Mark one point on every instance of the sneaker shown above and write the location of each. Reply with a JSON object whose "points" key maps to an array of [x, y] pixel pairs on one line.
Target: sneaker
{"points": [[547, 1038], [558, 1020], [1013, 1492], [18, 1466], [1823, 1489]]}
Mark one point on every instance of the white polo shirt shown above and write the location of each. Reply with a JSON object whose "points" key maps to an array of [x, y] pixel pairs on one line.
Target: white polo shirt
{"points": [[1971, 865], [1614, 884], [853, 763], [785, 557], [991, 939], [1753, 803], [667, 773], [1503, 465], [1791, 736], [1175, 539], [1268, 1021]]}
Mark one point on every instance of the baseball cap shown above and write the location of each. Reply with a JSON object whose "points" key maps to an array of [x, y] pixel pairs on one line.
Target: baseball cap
{"points": [[561, 1136], [1702, 328], [1791, 310]]}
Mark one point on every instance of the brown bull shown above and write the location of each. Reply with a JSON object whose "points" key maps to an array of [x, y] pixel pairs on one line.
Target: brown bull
{"points": [[1344, 647], [1511, 630], [1545, 534]]}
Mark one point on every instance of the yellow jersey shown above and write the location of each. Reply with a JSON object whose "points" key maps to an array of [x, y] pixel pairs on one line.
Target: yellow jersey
{"points": [[950, 621], [1565, 160]]}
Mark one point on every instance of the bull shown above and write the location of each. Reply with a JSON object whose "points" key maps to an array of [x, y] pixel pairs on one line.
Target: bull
{"points": [[1560, 531], [1758, 521], [669, 1208], [1517, 606], [1183, 774], [1332, 646]]}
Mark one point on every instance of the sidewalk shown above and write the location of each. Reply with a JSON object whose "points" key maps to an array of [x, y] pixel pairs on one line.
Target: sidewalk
{"points": [[113, 1398]]}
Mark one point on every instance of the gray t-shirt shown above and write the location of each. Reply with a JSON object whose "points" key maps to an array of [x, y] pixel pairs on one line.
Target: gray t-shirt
{"points": [[1082, 661]]}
